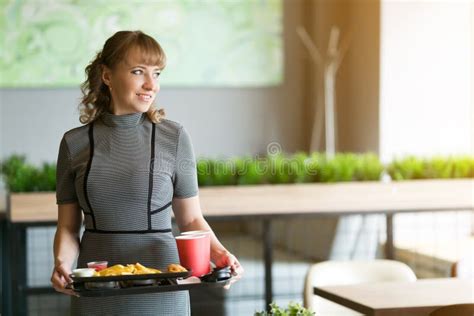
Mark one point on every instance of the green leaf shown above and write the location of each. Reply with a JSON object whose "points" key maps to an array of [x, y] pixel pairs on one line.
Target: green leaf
{"points": [[253, 172], [293, 309]]}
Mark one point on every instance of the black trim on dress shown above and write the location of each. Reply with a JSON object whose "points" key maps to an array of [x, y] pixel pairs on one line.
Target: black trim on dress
{"points": [[89, 163], [164, 207], [149, 231], [150, 177]]}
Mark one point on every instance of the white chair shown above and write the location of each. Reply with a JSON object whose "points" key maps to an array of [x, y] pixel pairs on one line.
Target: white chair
{"points": [[349, 272]]}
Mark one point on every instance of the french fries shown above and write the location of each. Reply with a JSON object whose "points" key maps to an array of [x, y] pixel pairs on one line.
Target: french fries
{"points": [[135, 269], [176, 268], [129, 269], [139, 269]]}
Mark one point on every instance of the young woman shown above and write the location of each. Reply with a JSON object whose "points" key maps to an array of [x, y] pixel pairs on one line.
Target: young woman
{"points": [[127, 168]]}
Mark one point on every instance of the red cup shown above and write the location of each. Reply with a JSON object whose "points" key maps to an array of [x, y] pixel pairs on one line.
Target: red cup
{"points": [[195, 252]]}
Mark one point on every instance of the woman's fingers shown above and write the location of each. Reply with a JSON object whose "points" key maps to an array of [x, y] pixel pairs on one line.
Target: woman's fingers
{"points": [[237, 270], [234, 264], [60, 279], [64, 272], [57, 280], [232, 281]]}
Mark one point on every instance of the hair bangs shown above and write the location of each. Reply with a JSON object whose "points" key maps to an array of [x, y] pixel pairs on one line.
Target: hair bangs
{"points": [[150, 51]]}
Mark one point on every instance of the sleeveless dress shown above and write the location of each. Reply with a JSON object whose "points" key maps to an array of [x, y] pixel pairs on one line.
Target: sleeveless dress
{"points": [[123, 171]]}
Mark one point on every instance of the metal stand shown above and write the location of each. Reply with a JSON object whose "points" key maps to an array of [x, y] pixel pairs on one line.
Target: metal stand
{"points": [[268, 259], [5, 277], [389, 252], [17, 262]]}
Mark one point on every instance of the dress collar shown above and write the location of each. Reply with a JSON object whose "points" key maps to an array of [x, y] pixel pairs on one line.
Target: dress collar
{"points": [[123, 121]]}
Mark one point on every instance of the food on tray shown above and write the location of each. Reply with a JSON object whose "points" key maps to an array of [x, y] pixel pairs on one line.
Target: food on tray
{"points": [[115, 270], [118, 269], [176, 268], [129, 269], [139, 269]]}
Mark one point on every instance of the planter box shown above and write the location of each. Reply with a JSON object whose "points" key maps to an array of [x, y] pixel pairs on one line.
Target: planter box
{"points": [[32, 207]]}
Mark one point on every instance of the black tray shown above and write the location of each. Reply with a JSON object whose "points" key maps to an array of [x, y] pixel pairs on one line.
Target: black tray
{"points": [[131, 277], [171, 286]]}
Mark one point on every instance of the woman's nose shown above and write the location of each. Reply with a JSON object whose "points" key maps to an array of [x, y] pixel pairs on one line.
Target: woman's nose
{"points": [[150, 83]]}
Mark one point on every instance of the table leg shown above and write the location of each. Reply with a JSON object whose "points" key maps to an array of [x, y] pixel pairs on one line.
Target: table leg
{"points": [[389, 252], [18, 269], [5, 304], [268, 260], [7, 269]]}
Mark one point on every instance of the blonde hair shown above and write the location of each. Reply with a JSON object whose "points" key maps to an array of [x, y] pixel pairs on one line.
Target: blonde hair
{"points": [[96, 95]]}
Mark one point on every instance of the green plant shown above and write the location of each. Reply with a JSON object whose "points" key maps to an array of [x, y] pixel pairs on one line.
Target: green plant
{"points": [[341, 168], [463, 167], [216, 172], [21, 176], [293, 309], [438, 167], [203, 168], [432, 168], [406, 168], [314, 167], [368, 168], [223, 172], [252, 171], [279, 168], [304, 168]]}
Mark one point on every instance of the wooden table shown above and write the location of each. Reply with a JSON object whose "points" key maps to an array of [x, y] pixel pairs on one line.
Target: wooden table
{"points": [[266, 203], [400, 298], [290, 200], [4, 281]]}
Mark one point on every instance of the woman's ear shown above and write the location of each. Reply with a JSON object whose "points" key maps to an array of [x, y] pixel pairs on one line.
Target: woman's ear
{"points": [[106, 75]]}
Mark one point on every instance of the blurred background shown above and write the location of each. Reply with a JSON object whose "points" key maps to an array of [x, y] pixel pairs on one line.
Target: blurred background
{"points": [[246, 74]]}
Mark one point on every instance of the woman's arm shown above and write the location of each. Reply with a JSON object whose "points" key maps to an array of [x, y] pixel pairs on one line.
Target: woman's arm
{"points": [[189, 217], [66, 245]]}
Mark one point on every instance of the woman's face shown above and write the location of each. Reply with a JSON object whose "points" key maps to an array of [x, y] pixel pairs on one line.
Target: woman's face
{"points": [[133, 85]]}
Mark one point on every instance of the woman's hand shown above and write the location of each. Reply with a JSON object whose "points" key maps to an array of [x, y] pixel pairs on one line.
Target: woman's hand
{"points": [[60, 278], [189, 217], [229, 260], [66, 245]]}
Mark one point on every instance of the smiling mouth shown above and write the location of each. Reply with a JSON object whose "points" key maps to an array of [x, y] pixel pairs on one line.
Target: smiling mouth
{"points": [[144, 97]]}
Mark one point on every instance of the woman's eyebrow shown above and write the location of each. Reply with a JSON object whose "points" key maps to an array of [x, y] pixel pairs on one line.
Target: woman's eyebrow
{"points": [[144, 67]]}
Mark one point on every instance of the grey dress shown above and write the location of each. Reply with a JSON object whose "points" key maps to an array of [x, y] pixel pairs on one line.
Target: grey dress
{"points": [[124, 171]]}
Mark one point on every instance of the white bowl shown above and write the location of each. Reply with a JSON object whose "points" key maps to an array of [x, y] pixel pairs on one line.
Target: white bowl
{"points": [[83, 272]]}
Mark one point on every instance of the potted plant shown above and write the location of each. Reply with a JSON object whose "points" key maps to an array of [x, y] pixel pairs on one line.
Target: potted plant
{"points": [[293, 309]]}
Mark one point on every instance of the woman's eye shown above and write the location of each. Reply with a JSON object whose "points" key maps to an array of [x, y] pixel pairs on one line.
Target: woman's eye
{"points": [[156, 74], [137, 72]]}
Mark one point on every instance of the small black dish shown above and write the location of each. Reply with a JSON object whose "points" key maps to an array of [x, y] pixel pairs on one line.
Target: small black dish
{"points": [[216, 275]]}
